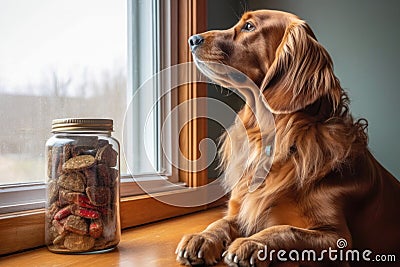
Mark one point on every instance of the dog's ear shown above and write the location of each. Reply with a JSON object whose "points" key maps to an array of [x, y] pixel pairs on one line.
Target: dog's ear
{"points": [[301, 73]]}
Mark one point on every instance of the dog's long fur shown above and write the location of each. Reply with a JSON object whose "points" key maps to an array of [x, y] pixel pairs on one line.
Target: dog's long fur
{"points": [[323, 184]]}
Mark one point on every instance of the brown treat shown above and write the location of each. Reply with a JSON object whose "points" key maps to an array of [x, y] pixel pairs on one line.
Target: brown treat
{"points": [[76, 225], [102, 142], [91, 176], [52, 191], [100, 243], [52, 233], [83, 150], [59, 240], [63, 197], [113, 198], [62, 222], [67, 151], [113, 242], [73, 181], [109, 229], [58, 171], [107, 155], [55, 151], [71, 197], [78, 163], [114, 175], [55, 161], [49, 162], [99, 196], [103, 172], [76, 242], [110, 217], [89, 141], [96, 228], [59, 226], [105, 211], [51, 211]]}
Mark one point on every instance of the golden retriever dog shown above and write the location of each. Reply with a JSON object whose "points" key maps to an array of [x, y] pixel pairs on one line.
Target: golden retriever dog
{"points": [[325, 193]]}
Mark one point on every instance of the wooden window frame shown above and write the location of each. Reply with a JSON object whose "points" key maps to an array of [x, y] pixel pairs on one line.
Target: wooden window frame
{"points": [[24, 230], [192, 20]]}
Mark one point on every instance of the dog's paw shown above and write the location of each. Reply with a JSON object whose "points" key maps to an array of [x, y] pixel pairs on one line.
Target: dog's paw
{"points": [[245, 252], [199, 249]]}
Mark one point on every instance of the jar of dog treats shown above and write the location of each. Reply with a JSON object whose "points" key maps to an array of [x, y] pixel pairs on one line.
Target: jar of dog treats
{"points": [[82, 192]]}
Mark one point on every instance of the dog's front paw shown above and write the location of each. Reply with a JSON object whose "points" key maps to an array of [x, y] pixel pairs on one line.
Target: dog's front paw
{"points": [[199, 249], [245, 252]]}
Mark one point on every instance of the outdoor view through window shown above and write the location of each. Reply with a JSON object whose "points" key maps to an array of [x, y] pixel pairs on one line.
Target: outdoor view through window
{"points": [[57, 59]]}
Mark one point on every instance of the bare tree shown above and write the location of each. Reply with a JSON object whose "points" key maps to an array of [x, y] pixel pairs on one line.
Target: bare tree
{"points": [[59, 85]]}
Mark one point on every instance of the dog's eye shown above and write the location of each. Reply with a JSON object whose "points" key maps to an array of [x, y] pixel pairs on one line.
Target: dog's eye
{"points": [[248, 27]]}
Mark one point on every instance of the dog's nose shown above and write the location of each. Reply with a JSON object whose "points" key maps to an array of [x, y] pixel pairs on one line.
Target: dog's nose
{"points": [[195, 40]]}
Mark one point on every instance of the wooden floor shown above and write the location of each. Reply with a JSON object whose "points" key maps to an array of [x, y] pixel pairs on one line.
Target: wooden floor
{"points": [[147, 246]]}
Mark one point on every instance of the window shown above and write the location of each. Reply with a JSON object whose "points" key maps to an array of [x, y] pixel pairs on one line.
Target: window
{"points": [[158, 40], [91, 36], [149, 39], [58, 59]]}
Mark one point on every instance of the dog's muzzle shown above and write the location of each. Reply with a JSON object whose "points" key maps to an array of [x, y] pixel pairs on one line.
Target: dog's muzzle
{"points": [[195, 41]]}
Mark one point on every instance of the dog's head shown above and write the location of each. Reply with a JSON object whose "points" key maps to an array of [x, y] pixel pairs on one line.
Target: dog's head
{"points": [[278, 52]]}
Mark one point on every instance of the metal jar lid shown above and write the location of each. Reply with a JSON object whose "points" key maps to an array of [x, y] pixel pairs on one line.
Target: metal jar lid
{"points": [[82, 125]]}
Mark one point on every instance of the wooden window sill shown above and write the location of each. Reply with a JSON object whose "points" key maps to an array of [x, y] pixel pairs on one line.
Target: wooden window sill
{"points": [[149, 245], [25, 230]]}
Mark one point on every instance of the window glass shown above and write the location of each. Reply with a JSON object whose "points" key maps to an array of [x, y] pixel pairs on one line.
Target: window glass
{"points": [[57, 59]]}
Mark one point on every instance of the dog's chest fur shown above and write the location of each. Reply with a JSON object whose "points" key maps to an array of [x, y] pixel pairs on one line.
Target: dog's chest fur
{"points": [[262, 209]]}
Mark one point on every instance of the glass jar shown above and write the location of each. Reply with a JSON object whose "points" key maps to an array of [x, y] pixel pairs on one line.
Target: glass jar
{"points": [[82, 189]]}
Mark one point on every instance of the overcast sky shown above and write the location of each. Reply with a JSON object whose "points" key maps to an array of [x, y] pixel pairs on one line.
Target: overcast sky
{"points": [[66, 36]]}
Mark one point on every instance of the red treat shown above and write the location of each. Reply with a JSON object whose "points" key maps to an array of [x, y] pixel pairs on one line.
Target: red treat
{"points": [[80, 200], [96, 228], [62, 213], [87, 213], [86, 205]]}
